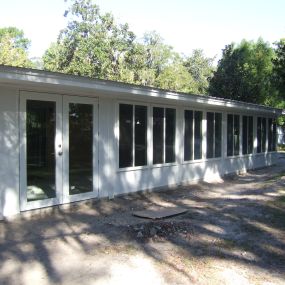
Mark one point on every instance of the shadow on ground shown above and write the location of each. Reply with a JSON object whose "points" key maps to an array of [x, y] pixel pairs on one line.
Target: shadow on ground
{"points": [[239, 221]]}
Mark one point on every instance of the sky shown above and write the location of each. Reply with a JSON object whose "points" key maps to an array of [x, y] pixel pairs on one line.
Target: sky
{"points": [[184, 24]]}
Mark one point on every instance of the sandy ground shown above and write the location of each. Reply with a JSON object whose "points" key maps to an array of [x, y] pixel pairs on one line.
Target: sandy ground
{"points": [[233, 233]]}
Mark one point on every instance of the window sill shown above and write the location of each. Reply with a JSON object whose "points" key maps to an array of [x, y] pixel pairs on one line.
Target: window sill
{"points": [[146, 167]]}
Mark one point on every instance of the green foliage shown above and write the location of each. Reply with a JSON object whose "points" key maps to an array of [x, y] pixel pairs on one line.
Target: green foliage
{"points": [[91, 45], [245, 73], [201, 69], [94, 45], [14, 48], [279, 67]]}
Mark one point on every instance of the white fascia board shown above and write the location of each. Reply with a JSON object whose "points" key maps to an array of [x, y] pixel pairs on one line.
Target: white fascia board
{"points": [[23, 76]]}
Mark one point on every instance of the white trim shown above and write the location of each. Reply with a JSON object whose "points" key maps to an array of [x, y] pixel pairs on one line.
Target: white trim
{"points": [[67, 198], [24, 204]]}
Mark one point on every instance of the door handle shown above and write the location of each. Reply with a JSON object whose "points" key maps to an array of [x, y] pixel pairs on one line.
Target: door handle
{"points": [[60, 153]]}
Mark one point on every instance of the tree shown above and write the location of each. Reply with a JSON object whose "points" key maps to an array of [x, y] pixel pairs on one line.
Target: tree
{"points": [[91, 45], [201, 69], [244, 73], [14, 48], [279, 67]]}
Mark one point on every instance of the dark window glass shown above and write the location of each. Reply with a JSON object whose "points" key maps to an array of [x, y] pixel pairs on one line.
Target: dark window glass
{"points": [[158, 125], [188, 135], [259, 130], [263, 135], [80, 148], [230, 135], [210, 135], [270, 134], [126, 135], [169, 135], [236, 134], [140, 135], [198, 135], [40, 128], [274, 136], [218, 134], [250, 135], [244, 134]]}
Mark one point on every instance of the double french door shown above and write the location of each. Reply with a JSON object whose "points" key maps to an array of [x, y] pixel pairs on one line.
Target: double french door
{"points": [[58, 149]]}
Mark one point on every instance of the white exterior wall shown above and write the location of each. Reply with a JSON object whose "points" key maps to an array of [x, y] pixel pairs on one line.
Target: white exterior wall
{"points": [[112, 180], [9, 152]]}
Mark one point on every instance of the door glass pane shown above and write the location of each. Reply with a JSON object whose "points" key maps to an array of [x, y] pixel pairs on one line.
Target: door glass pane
{"points": [[188, 135], [126, 135], [230, 138], [198, 134], [80, 148], [140, 135], [170, 135], [250, 134], [210, 134], [244, 135], [158, 125], [218, 134], [40, 129], [236, 134]]}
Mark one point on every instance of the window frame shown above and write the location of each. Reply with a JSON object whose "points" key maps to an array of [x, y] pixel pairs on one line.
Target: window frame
{"points": [[274, 142], [117, 134], [240, 135], [261, 152], [175, 162], [254, 118], [193, 135], [214, 136]]}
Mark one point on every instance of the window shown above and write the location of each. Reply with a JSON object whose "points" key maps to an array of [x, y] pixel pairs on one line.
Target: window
{"points": [[233, 131], [164, 121], [261, 135], [271, 135], [247, 134], [133, 135], [192, 135], [214, 135]]}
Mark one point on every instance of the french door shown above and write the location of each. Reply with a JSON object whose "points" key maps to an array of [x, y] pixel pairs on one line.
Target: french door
{"points": [[58, 149]]}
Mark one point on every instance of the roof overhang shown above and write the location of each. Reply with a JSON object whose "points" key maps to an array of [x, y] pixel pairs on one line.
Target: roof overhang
{"points": [[31, 77]]}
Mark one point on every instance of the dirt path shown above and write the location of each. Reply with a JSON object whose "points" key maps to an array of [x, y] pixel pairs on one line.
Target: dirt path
{"points": [[233, 233]]}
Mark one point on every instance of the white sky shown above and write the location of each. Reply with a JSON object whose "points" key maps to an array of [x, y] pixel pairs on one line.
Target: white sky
{"points": [[184, 24]]}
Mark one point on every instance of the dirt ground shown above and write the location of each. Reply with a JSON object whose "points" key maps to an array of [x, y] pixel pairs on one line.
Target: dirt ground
{"points": [[233, 233]]}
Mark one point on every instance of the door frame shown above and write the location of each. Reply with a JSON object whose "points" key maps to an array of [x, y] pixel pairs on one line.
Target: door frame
{"points": [[66, 198], [61, 149], [24, 97]]}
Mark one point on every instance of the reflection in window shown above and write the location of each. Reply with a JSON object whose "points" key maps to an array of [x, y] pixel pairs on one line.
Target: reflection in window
{"points": [[261, 134], [271, 134], [214, 134], [80, 148], [247, 134], [164, 122], [233, 134], [133, 135], [192, 135]]}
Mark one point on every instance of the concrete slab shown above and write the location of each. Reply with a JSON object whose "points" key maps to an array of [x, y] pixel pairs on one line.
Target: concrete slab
{"points": [[160, 213]]}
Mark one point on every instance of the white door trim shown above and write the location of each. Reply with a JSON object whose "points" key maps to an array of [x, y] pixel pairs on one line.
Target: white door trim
{"points": [[24, 204], [89, 195]]}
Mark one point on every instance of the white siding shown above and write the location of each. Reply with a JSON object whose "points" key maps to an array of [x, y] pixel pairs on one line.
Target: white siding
{"points": [[9, 152]]}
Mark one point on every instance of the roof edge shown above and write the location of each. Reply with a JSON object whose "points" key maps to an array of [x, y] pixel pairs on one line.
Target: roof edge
{"points": [[10, 74]]}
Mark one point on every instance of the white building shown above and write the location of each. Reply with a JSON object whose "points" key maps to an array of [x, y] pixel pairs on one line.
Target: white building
{"points": [[67, 138]]}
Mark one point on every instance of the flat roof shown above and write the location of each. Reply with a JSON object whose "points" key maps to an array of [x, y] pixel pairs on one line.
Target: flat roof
{"points": [[19, 75]]}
